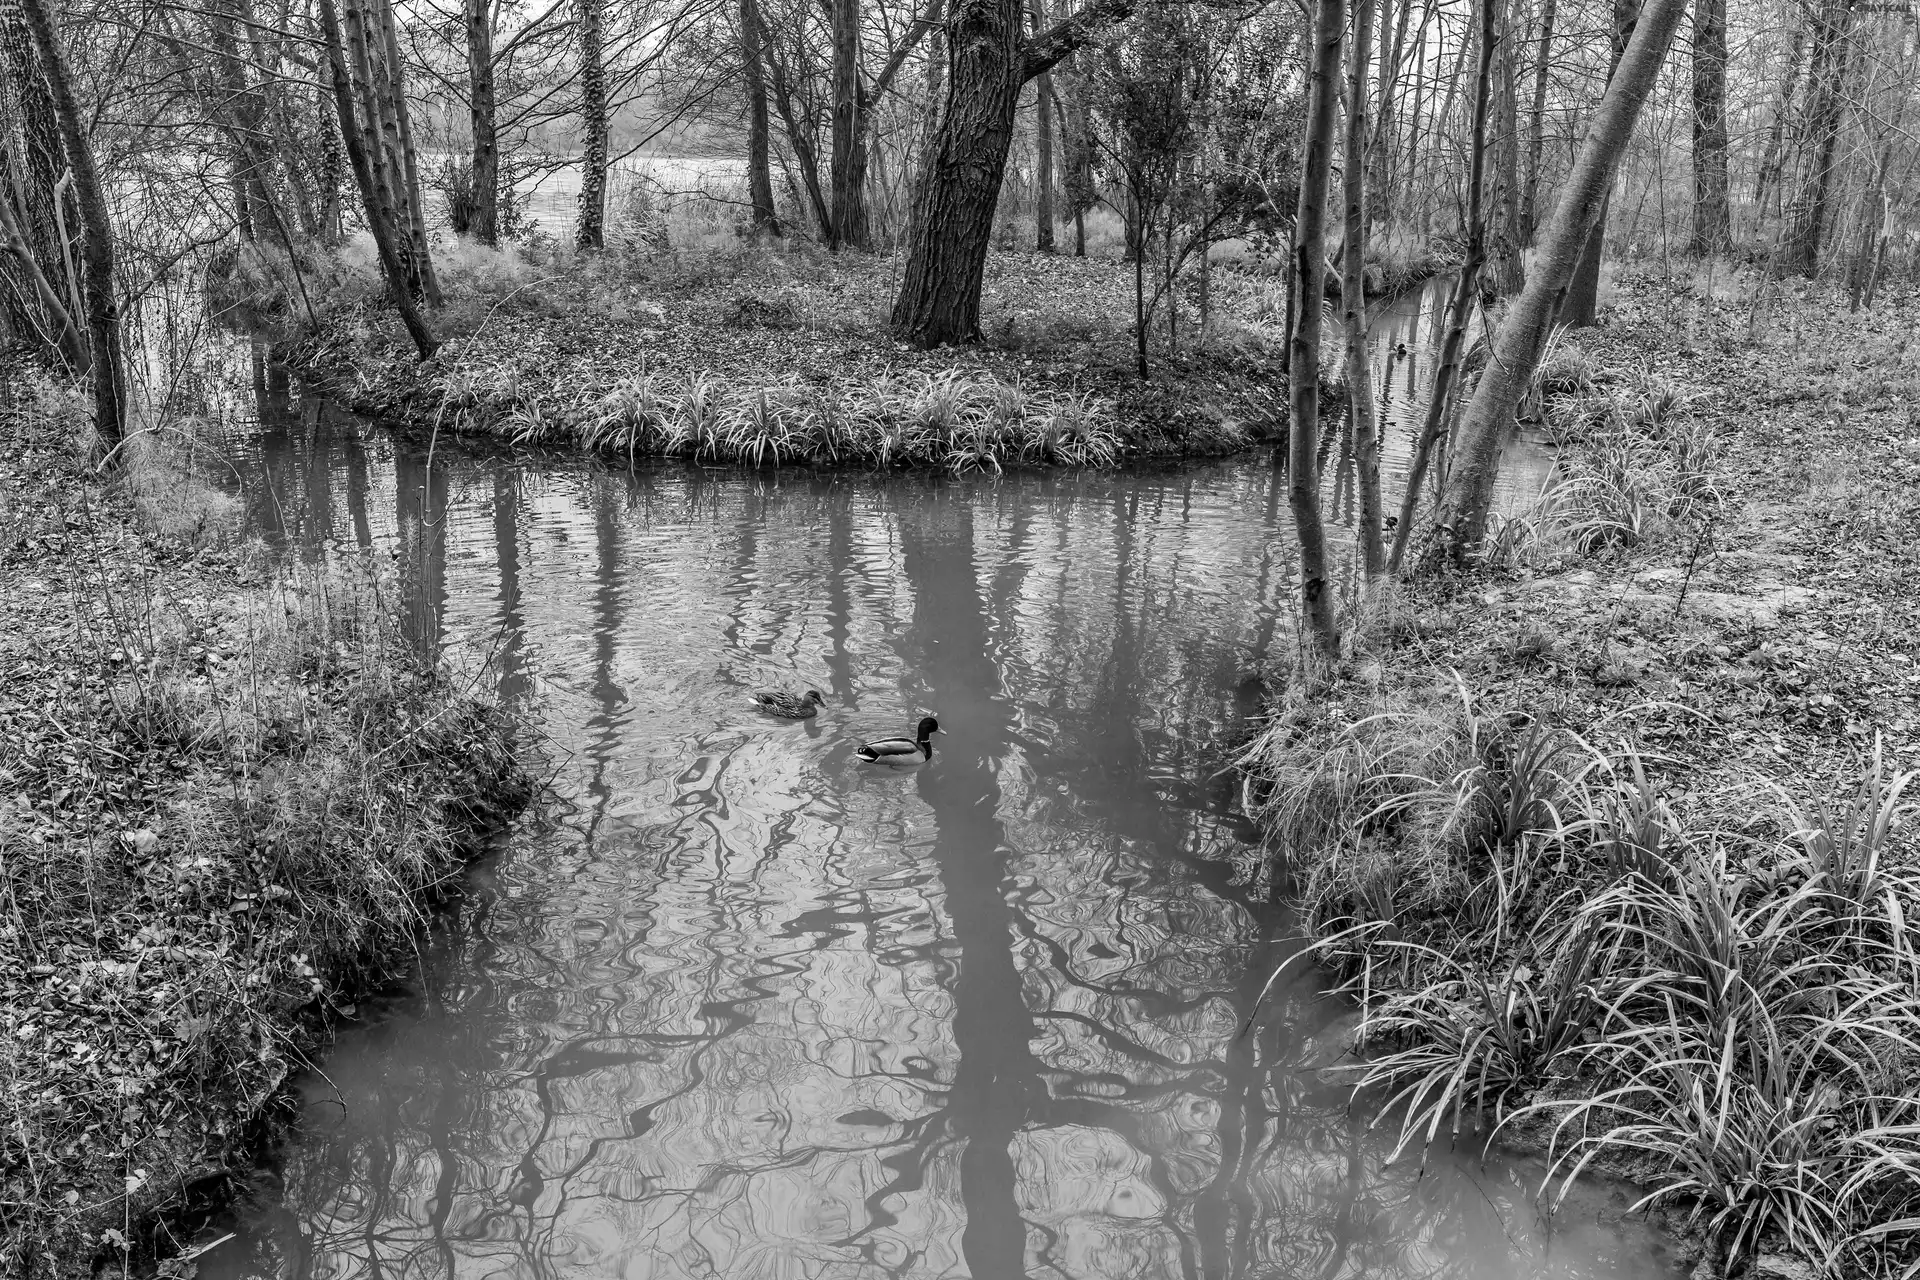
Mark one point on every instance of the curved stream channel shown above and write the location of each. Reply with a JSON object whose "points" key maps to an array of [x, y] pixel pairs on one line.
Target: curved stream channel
{"points": [[744, 1008]]}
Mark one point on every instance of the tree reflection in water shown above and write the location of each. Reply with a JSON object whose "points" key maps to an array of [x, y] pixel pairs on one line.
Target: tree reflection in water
{"points": [[739, 1008]]}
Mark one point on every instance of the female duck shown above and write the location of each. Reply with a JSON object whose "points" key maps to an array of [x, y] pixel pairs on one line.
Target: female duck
{"points": [[778, 702], [901, 752]]}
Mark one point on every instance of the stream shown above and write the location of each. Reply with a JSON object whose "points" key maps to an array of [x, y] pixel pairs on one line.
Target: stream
{"points": [[739, 1006]]}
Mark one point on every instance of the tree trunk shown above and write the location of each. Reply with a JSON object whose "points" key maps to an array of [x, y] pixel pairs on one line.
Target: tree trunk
{"points": [[1466, 292], [1353, 299], [375, 145], [1712, 226], [1462, 518], [589, 231], [1537, 126], [759, 171], [386, 236], [1043, 148], [485, 224], [1826, 102], [54, 327], [391, 92], [31, 163], [1380, 200], [849, 226], [1507, 268], [1580, 309], [1320, 638], [96, 233], [953, 202], [1772, 160]]}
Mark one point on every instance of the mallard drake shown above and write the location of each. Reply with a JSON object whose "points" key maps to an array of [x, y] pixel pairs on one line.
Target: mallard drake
{"points": [[794, 706], [901, 752]]}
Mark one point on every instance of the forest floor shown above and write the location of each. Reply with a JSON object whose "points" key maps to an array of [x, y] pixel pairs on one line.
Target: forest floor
{"points": [[228, 794], [783, 354], [1652, 750]]}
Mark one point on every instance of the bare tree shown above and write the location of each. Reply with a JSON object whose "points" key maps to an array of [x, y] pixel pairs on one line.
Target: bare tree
{"points": [[589, 229], [1712, 225], [1462, 518]]}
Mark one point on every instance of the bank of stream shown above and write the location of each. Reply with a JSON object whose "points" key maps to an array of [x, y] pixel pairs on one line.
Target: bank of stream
{"points": [[740, 1007]]}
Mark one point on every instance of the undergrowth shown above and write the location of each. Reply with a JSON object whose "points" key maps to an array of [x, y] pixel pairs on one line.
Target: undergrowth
{"points": [[234, 790], [1541, 944]]}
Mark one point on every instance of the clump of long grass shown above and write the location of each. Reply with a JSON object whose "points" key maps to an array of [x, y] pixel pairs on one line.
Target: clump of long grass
{"points": [[1635, 461], [1538, 939], [952, 420]]}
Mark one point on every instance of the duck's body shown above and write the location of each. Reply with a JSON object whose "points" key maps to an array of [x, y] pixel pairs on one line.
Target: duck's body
{"points": [[792, 706], [899, 753]]}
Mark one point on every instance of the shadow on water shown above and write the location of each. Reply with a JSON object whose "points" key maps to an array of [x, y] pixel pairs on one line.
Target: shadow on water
{"points": [[744, 1007]]}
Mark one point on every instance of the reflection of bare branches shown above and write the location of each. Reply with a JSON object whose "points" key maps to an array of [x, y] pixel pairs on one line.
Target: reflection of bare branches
{"points": [[734, 1000]]}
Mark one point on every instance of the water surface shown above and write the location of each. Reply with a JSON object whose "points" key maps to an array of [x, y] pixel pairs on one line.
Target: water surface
{"points": [[745, 1008]]}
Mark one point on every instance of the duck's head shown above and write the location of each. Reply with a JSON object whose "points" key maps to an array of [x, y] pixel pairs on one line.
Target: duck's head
{"points": [[928, 727], [816, 698]]}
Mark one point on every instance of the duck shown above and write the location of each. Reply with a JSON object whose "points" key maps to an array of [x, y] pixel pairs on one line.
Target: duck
{"points": [[793, 706], [899, 753]]}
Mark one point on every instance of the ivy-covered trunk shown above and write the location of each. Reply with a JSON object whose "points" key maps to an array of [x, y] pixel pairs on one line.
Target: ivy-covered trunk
{"points": [[589, 231]]}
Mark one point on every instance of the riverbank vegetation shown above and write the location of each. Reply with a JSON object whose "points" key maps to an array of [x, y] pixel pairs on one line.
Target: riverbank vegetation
{"points": [[1612, 837], [232, 791]]}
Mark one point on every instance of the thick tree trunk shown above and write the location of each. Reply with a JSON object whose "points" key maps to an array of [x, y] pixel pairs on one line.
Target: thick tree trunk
{"points": [[1461, 521], [1509, 234], [1043, 148], [1353, 299], [1466, 292], [1580, 309], [953, 202], [1537, 125], [386, 236], [589, 230], [1820, 138], [31, 162], [96, 233], [1712, 226], [54, 328], [485, 223], [759, 170], [1320, 634]]}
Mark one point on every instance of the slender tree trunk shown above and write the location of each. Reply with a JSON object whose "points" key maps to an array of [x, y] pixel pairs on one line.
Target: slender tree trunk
{"points": [[589, 231], [1320, 635], [1462, 518], [55, 328], [386, 236], [1380, 200], [1826, 103], [1537, 125], [1712, 225], [485, 224], [759, 171], [1580, 309], [849, 227], [1466, 293], [1774, 158], [1043, 147], [375, 143], [96, 233], [409, 165], [799, 135], [1353, 298]]}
